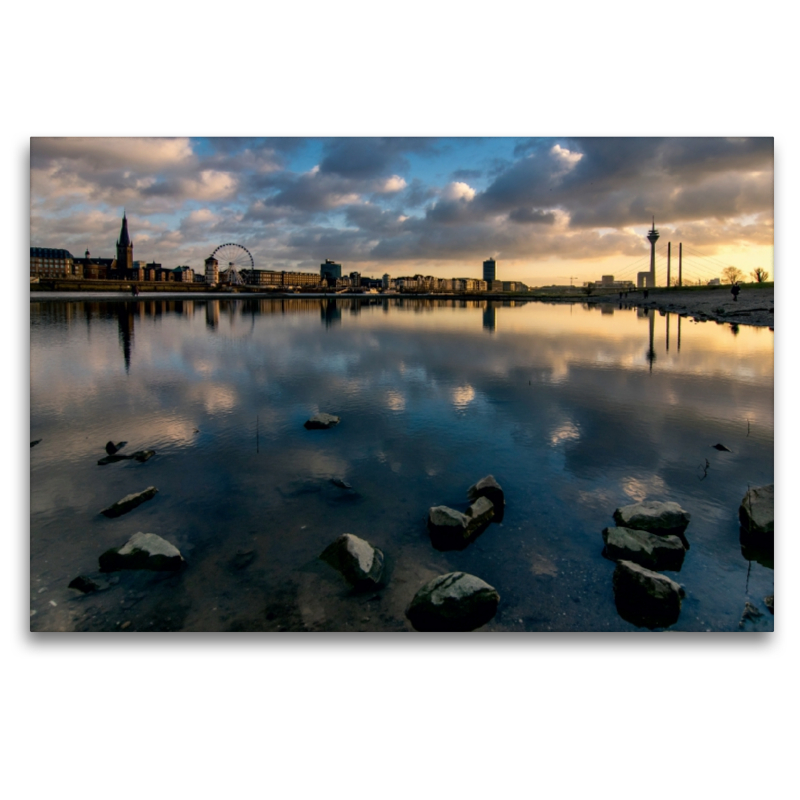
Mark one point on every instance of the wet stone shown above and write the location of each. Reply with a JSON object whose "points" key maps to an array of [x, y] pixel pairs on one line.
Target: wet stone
{"points": [[750, 614], [84, 584], [456, 601], [769, 602], [143, 551], [757, 512], [653, 516], [451, 530], [646, 598], [320, 421], [644, 548], [489, 488], [356, 559], [129, 502]]}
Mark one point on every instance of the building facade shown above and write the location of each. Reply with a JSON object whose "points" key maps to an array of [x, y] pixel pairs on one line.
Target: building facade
{"points": [[330, 272], [48, 262]]}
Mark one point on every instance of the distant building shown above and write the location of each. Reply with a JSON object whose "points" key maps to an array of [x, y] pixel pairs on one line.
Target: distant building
{"points": [[714, 282], [94, 269], [124, 269], [386, 281], [513, 286], [608, 282], [644, 280], [355, 279], [489, 270], [212, 270], [184, 274], [47, 262], [330, 272]]}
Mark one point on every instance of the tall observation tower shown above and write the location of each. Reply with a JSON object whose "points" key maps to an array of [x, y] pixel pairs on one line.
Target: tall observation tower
{"points": [[652, 237]]}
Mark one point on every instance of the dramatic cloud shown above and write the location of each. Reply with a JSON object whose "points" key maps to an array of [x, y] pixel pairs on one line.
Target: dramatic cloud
{"points": [[543, 207]]}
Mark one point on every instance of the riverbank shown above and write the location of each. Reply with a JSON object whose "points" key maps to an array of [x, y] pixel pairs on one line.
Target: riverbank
{"points": [[755, 305]]}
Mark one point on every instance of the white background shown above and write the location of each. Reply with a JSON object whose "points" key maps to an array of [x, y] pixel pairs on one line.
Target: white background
{"points": [[552, 716]]}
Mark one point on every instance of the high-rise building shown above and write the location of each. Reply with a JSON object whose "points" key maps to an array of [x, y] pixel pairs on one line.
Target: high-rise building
{"points": [[330, 271], [489, 270]]}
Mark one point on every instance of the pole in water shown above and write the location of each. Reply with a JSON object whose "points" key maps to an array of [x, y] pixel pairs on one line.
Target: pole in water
{"points": [[256, 433], [680, 264]]}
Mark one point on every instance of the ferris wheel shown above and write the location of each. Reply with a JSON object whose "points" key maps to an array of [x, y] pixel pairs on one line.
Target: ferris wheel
{"points": [[233, 259]]}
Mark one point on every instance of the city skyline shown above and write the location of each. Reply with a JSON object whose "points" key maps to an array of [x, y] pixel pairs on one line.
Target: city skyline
{"points": [[549, 210]]}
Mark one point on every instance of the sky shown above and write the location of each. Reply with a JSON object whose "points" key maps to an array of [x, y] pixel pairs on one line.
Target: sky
{"points": [[550, 210]]}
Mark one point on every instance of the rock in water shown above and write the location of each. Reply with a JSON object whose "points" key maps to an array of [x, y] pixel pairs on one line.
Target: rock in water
{"points": [[321, 421], [35, 442], [721, 447], [83, 584], [129, 502], [143, 455], [750, 614], [111, 448], [340, 483], [769, 602], [757, 511], [142, 551], [453, 602], [653, 516], [644, 548], [646, 598], [488, 487], [451, 530], [360, 563]]}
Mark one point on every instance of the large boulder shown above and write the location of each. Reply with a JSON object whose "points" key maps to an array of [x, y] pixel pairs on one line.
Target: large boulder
{"points": [[654, 516], [757, 511], [489, 488], [644, 548], [360, 563], [321, 421], [646, 598], [142, 551], [453, 602], [129, 502], [451, 530]]}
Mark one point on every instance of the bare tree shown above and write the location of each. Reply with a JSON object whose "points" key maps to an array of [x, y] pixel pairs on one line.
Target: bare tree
{"points": [[760, 274], [732, 275]]}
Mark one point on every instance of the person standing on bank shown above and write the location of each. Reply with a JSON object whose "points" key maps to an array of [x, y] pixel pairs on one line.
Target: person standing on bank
{"points": [[735, 289]]}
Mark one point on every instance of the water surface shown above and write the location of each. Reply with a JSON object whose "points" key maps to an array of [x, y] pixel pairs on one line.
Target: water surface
{"points": [[575, 411]]}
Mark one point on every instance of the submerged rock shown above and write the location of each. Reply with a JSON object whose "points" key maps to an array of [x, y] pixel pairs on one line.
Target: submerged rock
{"points": [[451, 530], [340, 483], [453, 602], [769, 602], [142, 551], [750, 614], [721, 447], [139, 455], [488, 487], [646, 598], [35, 442], [647, 549], [321, 421], [757, 511], [112, 448], [653, 516], [243, 559], [359, 562], [83, 584], [129, 502]]}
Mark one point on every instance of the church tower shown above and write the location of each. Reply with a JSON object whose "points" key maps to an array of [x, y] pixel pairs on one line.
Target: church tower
{"points": [[124, 250]]}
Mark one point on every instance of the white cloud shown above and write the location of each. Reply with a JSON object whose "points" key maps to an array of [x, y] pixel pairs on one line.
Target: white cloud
{"points": [[457, 190]]}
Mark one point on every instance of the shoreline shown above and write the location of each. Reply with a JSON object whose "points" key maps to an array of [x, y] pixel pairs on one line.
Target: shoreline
{"points": [[755, 305]]}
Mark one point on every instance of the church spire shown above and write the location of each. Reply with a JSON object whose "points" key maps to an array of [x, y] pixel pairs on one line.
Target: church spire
{"points": [[124, 238]]}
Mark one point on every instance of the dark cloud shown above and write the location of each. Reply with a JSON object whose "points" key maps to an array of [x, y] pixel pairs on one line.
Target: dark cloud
{"points": [[370, 157]]}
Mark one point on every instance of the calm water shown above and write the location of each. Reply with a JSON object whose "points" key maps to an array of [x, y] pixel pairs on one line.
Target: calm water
{"points": [[575, 411]]}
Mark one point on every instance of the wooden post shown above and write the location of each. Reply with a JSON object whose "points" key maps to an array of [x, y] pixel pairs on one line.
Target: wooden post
{"points": [[669, 257], [680, 264]]}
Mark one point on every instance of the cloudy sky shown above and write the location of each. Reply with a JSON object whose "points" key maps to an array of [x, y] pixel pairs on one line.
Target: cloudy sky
{"points": [[547, 208]]}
